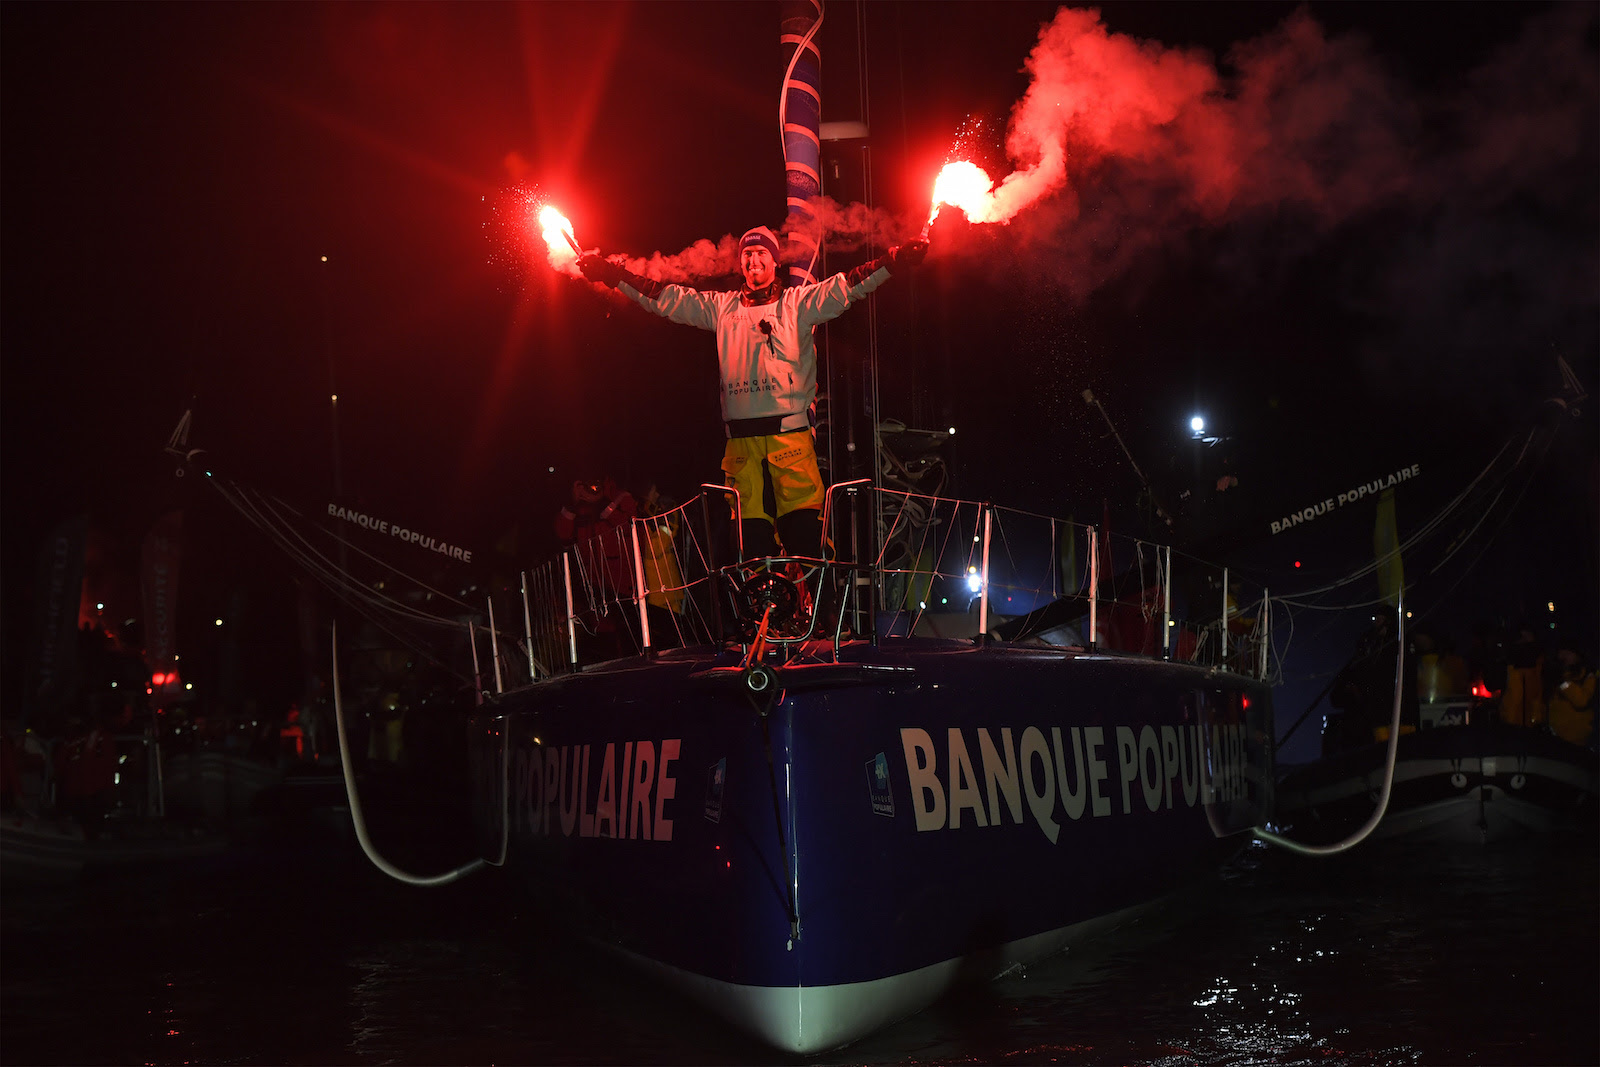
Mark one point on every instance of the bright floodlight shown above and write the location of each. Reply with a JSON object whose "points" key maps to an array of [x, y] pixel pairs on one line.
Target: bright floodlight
{"points": [[1197, 424]]}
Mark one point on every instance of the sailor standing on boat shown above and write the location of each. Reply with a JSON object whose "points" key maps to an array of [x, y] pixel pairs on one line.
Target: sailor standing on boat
{"points": [[769, 376]]}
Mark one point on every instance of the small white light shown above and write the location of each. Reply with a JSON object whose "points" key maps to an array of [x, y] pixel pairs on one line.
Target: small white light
{"points": [[188, 685], [335, 398], [952, 431], [552, 470], [113, 685], [1197, 424], [219, 622], [974, 582], [102, 607]]}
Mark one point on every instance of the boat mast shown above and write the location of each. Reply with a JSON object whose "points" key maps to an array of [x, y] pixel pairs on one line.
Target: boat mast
{"points": [[800, 125]]}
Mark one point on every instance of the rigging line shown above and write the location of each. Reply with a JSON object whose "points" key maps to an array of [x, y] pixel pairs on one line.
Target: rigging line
{"points": [[925, 527], [252, 515], [915, 552], [950, 531], [376, 599], [277, 529], [1512, 510], [342, 591], [1011, 557], [372, 615], [1280, 654], [355, 799], [1482, 517], [1145, 608], [788, 74], [391, 568], [1489, 541], [1448, 509], [1410, 544], [1029, 514], [883, 546], [864, 87], [1422, 533], [352, 582], [1333, 607]]}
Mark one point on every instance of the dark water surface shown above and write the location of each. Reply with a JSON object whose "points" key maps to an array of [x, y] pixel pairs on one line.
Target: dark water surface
{"points": [[297, 953]]}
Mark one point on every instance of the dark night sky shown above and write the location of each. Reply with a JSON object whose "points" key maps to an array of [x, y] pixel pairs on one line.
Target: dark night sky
{"points": [[1409, 239]]}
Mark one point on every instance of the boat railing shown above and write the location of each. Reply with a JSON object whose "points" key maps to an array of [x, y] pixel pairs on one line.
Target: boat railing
{"points": [[950, 567], [925, 566]]}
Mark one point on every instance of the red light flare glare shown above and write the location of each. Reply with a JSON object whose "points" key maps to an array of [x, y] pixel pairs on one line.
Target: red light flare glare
{"points": [[963, 185], [557, 233]]}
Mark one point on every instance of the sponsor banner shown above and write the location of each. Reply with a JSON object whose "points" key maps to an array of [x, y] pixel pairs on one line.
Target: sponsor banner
{"points": [[981, 778], [878, 785], [158, 583], [1312, 512], [1386, 551], [715, 778], [624, 790], [55, 641], [384, 526]]}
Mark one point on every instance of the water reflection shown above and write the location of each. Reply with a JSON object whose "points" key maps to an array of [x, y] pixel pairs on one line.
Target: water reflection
{"points": [[1398, 955]]}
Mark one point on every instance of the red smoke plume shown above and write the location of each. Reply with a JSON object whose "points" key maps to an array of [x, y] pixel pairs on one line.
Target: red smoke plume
{"points": [[1305, 121], [1120, 145]]}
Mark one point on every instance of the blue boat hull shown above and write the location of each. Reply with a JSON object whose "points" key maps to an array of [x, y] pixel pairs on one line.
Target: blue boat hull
{"points": [[822, 857]]}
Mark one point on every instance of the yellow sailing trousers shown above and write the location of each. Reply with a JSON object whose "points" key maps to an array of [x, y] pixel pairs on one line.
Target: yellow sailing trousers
{"points": [[792, 459]]}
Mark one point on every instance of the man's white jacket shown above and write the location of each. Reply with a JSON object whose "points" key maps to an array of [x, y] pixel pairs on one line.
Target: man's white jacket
{"points": [[765, 351]]}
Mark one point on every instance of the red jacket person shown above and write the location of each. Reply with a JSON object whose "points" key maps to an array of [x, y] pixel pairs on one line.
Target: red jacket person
{"points": [[768, 366]]}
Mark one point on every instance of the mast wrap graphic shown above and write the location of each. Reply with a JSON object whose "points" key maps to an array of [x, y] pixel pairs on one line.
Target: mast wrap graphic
{"points": [[801, 117]]}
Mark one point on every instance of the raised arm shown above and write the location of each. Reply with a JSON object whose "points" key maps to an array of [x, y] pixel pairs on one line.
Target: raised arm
{"points": [[831, 297], [676, 302]]}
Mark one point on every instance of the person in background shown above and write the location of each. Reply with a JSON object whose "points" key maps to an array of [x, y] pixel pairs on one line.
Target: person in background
{"points": [[595, 523], [1364, 692], [86, 768], [10, 772], [1522, 704], [662, 577], [1486, 659], [291, 736], [1572, 703], [663, 581]]}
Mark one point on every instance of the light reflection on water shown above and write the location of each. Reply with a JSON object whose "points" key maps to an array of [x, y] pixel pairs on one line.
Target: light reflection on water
{"points": [[1390, 955]]}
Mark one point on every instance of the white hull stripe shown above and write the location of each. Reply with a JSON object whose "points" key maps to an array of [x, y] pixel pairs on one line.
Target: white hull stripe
{"points": [[808, 1019]]}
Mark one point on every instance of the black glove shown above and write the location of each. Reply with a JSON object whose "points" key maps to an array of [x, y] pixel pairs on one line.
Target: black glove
{"points": [[909, 254], [601, 270]]}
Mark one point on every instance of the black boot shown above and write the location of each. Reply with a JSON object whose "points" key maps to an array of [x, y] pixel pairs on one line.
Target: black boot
{"points": [[801, 533], [759, 539]]}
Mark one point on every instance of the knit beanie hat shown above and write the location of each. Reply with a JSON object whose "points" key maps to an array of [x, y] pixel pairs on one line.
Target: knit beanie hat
{"points": [[760, 236]]}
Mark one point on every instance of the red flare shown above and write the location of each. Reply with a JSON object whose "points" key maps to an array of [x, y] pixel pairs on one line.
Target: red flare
{"points": [[557, 233], [963, 185]]}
